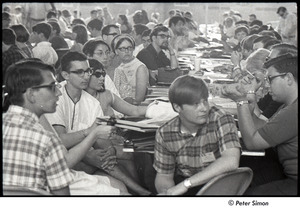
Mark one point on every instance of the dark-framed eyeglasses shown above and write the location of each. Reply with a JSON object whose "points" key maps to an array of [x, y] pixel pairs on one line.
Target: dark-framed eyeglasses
{"points": [[98, 74], [123, 49], [82, 72], [271, 78], [51, 86], [163, 36]]}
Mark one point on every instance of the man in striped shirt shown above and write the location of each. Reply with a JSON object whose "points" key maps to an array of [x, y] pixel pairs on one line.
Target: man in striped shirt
{"points": [[198, 144]]}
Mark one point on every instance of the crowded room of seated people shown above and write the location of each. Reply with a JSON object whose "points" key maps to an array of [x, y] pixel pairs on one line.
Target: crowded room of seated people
{"points": [[149, 99]]}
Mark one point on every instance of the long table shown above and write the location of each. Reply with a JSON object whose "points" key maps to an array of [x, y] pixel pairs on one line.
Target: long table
{"points": [[160, 92]]}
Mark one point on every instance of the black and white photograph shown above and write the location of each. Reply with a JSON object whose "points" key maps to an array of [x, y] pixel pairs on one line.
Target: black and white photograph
{"points": [[144, 104]]}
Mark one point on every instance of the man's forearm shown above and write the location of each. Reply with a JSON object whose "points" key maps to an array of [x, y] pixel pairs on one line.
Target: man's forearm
{"points": [[248, 124], [162, 184], [221, 165]]}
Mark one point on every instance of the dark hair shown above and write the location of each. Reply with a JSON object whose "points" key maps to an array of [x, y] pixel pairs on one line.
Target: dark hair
{"points": [[140, 28], [90, 46], [187, 90], [271, 42], [286, 63], [124, 19], [146, 32], [95, 64], [70, 57], [118, 40], [283, 9], [44, 28], [105, 30], [93, 11], [8, 36], [262, 39], [175, 19], [284, 48], [21, 32], [138, 17], [242, 22], [247, 42], [252, 15], [256, 22], [77, 21], [55, 26], [51, 14], [23, 75], [158, 29], [145, 19], [241, 28], [95, 24], [82, 34], [5, 16]]}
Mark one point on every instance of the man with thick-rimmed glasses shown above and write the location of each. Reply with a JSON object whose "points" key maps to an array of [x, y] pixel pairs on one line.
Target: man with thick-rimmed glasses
{"points": [[32, 157], [153, 55], [281, 130], [77, 110]]}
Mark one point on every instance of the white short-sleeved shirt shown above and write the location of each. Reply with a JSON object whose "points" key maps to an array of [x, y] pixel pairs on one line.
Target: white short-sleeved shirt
{"points": [[45, 52], [75, 116]]}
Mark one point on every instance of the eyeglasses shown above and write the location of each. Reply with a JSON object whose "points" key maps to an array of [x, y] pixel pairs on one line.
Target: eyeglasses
{"points": [[163, 36], [51, 86], [112, 34], [81, 72], [98, 74], [270, 78], [123, 49]]}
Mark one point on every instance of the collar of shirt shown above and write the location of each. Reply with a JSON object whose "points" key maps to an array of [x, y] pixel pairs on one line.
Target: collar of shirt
{"points": [[14, 109]]}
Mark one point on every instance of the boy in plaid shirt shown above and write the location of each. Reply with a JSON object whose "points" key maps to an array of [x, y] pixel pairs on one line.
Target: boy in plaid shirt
{"points": [[198, 144]]}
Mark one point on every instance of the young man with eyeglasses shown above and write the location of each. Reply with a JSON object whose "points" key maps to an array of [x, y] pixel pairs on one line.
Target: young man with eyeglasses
{"points": [[109, 32], [76, 118], [281, 130], [32, 157], [77, 111], [153, 55]]}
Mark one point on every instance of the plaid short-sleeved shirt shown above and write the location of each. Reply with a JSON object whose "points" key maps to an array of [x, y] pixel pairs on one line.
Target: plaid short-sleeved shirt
{"points": [[32, 156], [184, 154]]}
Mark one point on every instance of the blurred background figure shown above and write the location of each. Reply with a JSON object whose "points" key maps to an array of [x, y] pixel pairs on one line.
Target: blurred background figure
{"points": [[287, 27]]}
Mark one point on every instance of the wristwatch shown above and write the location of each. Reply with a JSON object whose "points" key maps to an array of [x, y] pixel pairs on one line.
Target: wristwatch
{"points": [[187, 183], [240, 103]]}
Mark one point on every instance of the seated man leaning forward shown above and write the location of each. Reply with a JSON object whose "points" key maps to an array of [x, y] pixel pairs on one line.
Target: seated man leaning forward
{"points": [[198, 144]]}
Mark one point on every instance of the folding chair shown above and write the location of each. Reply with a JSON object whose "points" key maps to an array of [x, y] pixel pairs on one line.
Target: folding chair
{"points": [[23, 191], [227, 184]]}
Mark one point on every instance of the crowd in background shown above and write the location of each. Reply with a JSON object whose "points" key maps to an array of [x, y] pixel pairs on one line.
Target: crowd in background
{"points": [[106, 64]]}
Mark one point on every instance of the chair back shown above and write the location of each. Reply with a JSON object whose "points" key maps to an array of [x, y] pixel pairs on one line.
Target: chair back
{"points": [[23, 191], [227, 184]]}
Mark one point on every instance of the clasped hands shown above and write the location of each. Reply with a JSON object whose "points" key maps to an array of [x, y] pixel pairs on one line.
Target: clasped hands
{"points": [[239, 91]]}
